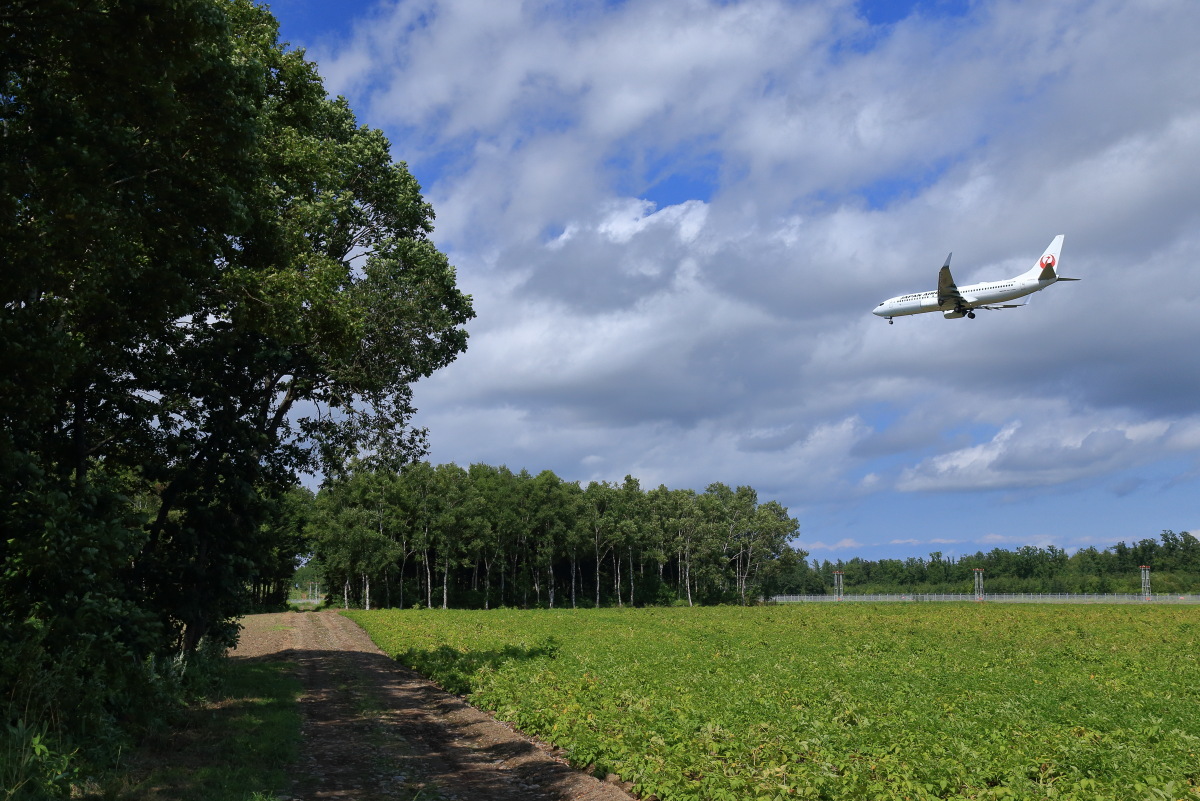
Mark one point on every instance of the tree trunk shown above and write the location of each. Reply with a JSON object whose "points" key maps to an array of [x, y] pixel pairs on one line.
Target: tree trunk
{"points": [[428, 582], [597, 549], [487, 583], [687, 574], [631, 575], [403, 564], [617, 577]]}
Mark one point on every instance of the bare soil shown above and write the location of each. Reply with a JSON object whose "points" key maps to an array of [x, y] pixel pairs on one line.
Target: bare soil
{"points": [[373, 730]]}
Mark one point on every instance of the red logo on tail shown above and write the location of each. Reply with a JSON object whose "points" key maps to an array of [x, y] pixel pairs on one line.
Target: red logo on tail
{"points": [[1047, 260]]}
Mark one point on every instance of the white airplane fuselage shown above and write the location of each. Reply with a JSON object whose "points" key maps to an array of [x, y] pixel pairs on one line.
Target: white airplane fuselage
{"points": [[961, 301], [979, 295]]}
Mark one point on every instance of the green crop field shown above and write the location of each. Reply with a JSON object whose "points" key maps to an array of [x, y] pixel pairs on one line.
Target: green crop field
{"points": [[838, 701]]}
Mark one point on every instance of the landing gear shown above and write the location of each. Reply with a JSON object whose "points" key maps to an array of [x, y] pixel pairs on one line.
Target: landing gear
{"points": [[971, 315], [891, 321]]}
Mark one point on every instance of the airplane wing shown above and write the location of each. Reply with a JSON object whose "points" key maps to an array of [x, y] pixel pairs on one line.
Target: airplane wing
{"points": [[1003, 306], [947, 291]]}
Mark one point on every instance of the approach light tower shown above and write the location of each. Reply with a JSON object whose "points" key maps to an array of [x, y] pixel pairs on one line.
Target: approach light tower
{"points": [[979, 584], [837, 584], [1146, 582]]}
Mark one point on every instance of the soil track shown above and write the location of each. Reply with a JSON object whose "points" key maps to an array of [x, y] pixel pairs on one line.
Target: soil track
{"points": [[373, 730]]}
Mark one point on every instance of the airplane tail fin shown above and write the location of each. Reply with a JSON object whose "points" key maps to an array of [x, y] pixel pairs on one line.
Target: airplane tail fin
{"points": [[1045, 268]]}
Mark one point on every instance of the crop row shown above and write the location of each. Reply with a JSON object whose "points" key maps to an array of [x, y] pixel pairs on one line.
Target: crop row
{"points": [[837, 702]]}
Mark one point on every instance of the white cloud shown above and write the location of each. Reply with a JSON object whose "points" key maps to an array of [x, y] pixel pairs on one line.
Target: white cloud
{"points": [[1047, 452], [728, 337], [840, 545]]}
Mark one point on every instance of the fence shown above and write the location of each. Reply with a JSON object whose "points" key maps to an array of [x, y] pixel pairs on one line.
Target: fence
{"points": [[1003, 597]]}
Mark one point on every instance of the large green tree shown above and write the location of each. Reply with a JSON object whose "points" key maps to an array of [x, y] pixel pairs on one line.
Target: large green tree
{"points": [[123, 180], [334, 303], [213, 278]]}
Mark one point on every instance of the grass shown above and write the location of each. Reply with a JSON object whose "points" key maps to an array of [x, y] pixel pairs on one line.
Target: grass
{"points": [[233, 748]]}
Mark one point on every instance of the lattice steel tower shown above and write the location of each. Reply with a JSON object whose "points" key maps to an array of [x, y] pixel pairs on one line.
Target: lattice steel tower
{"points": [[979, 584], [1146, 582], [837, 584]]}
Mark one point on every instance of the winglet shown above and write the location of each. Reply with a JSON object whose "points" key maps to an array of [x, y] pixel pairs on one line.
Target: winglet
{"points": [[947, 292], [1044, 270]]}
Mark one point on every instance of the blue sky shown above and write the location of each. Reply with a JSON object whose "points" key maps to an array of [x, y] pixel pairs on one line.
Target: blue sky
{"points": [[675, 217]]}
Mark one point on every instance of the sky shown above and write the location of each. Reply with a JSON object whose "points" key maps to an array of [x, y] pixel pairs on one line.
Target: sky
{"points": [[675, 218]]}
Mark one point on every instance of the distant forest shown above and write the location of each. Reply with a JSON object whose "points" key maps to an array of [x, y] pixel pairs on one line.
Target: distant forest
{"points": [[1174, 560], [483, 537]]}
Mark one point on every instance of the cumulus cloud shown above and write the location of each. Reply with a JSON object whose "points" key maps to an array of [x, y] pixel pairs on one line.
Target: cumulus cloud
{"points": [[1063, 449], [840, 545], [675, 218]]}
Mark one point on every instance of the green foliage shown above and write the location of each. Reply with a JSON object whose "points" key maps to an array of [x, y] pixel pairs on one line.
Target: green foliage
{"points": [[234, 745], [486, 536], [214, 278], [1175, 561], [29, 768], [838, 702]]}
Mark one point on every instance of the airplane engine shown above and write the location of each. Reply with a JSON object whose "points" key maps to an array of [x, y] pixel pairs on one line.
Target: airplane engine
{"points": [[952, 314]]}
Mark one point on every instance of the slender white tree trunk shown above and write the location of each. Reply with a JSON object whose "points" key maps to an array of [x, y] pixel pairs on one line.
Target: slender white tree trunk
{"points": [[597, 573], [631, 576], [687, 573], [617, 576]]}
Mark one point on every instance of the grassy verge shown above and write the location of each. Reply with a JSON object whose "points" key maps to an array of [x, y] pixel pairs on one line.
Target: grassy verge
{"points": [[233, 748]]}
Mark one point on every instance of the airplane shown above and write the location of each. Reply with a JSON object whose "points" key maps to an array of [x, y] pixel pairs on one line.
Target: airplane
{"points": [[955, 301]]}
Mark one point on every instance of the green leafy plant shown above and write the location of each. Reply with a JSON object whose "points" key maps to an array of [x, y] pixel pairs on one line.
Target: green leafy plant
{"points": [[30, 768], [941, 701]]}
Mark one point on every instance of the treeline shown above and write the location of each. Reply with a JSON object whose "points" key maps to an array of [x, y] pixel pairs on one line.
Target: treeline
{"points": [[1174, 560], [213, 278], [483, 537]]}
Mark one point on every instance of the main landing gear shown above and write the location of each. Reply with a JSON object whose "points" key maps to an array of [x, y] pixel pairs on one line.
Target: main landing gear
{"points": [[891, 321], [971, 315]]}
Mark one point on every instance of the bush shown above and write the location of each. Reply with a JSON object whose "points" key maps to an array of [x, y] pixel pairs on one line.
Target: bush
{"points": [[30, 767]]}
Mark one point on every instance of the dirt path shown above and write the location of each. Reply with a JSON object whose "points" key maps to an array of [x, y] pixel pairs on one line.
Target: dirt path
{"points": [[373, 730]]}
